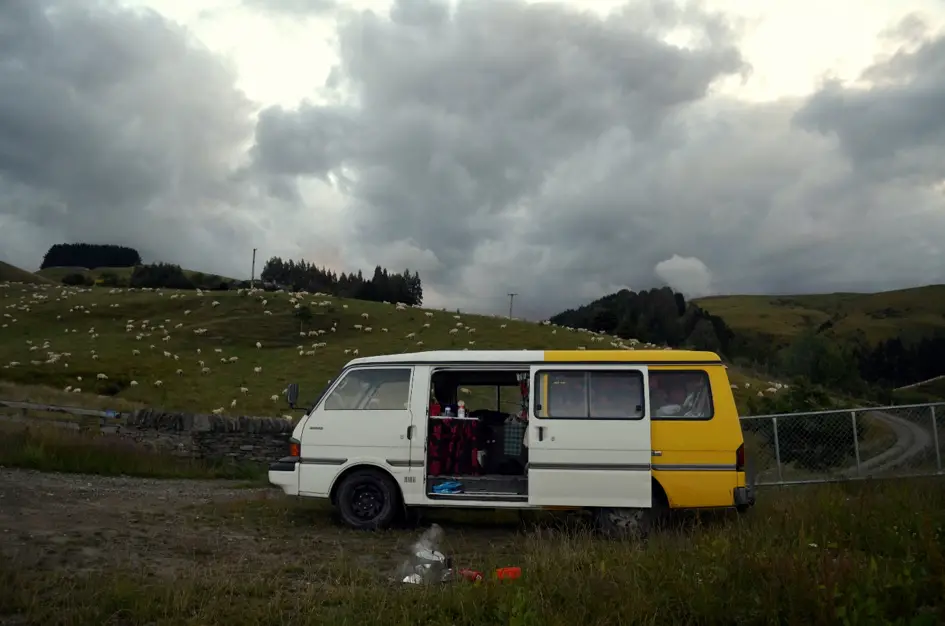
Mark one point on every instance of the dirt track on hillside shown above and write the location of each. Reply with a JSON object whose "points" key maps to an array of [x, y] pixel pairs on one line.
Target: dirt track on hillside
{"points": [[89, 523]]}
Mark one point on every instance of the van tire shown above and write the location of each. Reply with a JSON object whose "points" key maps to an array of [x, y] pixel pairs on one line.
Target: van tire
{"points": [[624, 523], [368, 500]]}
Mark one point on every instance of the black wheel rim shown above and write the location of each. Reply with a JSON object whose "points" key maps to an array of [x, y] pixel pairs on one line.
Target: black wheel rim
{"points": [[367, 501]]}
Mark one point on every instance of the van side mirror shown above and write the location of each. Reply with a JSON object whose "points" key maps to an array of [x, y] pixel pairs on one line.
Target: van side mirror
{"points": [[292, 394]]}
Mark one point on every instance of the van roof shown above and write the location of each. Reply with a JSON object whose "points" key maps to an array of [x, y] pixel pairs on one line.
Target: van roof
{"points": [[543, 356]]}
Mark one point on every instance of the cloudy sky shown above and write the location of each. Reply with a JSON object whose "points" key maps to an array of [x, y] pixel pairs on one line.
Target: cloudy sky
{"points": [[560, 150]]}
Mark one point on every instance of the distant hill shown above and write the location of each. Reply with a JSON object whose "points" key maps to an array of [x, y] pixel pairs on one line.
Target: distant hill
{"points": [[906, 313], [56, 274], [13, 274]]}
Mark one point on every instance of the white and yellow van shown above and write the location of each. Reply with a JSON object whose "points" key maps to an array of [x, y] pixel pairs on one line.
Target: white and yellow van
{"points": [[625, 433]]}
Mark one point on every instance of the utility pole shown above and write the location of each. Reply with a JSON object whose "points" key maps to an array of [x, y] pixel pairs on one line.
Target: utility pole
{"points": [[511, 300], [252, 276]]}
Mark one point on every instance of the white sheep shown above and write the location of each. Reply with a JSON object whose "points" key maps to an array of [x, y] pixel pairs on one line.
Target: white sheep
{"points": [[101, 376], [244, 390], [257, 369], [258, 344], [133, 383], [158, 383]]}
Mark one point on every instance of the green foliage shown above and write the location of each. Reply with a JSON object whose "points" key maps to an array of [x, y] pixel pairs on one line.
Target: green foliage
{"points": [[657, 316], [90, 256], [77, 279], [110, 279], [813, 443], [304, 314], [815, 357], [382, 287], [160, 275]]}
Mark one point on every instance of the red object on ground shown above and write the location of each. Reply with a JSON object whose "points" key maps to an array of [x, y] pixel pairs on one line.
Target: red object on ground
{"points": [[470, 574], [508, 573]]}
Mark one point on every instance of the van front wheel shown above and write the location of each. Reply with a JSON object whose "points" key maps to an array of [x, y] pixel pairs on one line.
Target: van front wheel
{"points": [[367, 500]]}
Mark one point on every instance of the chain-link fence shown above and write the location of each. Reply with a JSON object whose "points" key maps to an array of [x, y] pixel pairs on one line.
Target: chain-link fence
{"points": [[825, 446]]}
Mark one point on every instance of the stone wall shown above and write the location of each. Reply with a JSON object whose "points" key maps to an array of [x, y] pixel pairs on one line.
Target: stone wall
{"points": [[210, 437]]}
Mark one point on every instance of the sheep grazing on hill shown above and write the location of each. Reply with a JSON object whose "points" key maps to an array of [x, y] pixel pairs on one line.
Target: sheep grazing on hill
{"points": [[398, 331]]}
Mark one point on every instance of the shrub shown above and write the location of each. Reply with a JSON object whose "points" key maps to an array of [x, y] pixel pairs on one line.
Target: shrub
{"points": [[77, 279], [110, 279], [166, 275], [815, 443]]}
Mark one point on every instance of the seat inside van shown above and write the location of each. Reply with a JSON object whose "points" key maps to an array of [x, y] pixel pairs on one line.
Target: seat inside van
{"points": [[477, 452]]}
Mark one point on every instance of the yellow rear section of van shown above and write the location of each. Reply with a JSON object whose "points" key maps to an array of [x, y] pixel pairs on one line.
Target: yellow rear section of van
{"points": [[694, 460]]}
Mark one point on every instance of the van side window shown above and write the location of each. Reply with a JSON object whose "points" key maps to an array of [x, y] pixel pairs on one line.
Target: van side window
{"points": [[589, 395], [371, 389], [681, 395]]}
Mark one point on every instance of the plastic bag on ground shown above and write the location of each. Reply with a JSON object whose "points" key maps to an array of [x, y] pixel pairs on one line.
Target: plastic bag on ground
{"points": [[426, 564]]}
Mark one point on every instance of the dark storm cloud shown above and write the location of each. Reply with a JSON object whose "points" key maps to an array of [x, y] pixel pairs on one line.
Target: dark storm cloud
{"points": [[115, 127], [542, 150], [494, 146]]}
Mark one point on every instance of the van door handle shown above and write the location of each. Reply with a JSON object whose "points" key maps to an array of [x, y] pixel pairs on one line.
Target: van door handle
{"points": [[410, 432], [657, 453], [541, 433]]}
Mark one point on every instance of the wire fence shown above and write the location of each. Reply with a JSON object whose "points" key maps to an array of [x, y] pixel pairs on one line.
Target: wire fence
{"points": [[848, 444]]}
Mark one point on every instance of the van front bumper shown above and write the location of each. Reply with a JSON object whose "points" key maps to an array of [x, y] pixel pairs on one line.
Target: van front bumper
{"points": [[744, 496], [284, 474]]}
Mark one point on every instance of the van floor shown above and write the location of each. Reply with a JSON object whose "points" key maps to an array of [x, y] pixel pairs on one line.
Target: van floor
{"points": [[494, 486]]}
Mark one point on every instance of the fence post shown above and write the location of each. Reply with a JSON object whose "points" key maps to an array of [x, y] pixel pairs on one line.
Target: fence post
{"points": [[856, 442], [777, 448], [938, 451]]}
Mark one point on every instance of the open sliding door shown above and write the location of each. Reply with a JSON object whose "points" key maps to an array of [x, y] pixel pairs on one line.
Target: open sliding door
{"points": [[589, 436]]}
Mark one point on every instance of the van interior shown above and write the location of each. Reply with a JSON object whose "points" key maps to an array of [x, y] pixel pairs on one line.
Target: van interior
{"points": [[477, 453]]}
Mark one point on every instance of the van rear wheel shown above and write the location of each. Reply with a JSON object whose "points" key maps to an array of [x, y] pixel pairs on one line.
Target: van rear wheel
{"points": [[368, 500], [625, 523]]}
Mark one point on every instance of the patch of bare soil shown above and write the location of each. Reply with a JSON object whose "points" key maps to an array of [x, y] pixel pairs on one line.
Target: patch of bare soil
{"points": [[80, 523]]}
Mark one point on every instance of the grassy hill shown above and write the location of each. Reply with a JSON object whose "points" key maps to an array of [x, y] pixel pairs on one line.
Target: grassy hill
{"points": [[97, 331], [10, 273], [879, 316], [56, 274]]}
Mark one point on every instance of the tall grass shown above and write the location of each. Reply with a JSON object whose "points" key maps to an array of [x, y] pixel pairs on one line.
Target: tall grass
{"points": [[857, 554], [53, 449]]}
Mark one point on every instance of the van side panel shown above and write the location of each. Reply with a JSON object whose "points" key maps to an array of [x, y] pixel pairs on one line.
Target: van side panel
{"points": [[696, 458]]}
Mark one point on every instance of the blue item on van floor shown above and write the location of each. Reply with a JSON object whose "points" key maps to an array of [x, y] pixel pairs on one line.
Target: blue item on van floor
{"points": [[451, 486]]}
